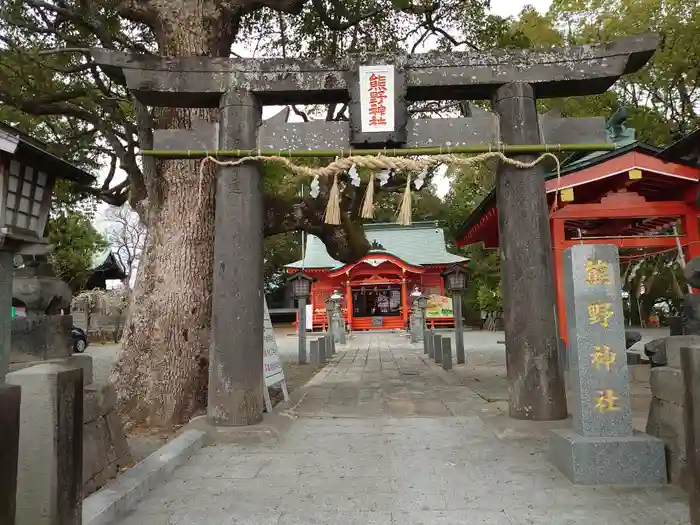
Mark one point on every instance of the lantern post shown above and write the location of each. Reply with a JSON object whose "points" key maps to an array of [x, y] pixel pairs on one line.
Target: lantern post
{"points": [[301, 288], [456, 279]]}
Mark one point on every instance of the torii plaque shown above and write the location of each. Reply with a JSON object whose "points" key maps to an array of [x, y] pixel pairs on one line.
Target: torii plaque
{"points": [[512, 80]]}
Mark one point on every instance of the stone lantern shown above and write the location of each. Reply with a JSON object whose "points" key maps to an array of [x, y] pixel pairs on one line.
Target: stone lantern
{"points": [[301, 288], [456, 279], [416, 324], [27, 177], [337, 318]]}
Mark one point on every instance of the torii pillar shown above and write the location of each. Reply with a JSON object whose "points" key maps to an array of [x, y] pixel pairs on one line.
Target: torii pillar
{"points": [[535, 382]]}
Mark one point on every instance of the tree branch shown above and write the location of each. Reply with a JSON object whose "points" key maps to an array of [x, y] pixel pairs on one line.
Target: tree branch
{"points": [[336, 23]]}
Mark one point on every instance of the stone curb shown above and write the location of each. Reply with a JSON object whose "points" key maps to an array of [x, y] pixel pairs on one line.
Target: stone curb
{"points": [[122, 494]]}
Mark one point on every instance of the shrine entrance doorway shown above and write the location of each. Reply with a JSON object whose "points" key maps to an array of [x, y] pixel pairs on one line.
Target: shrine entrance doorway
{"points": [[380, 304]]}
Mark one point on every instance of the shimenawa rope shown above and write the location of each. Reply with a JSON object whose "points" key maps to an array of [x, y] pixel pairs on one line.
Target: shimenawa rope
{"points": [[377, 163]]}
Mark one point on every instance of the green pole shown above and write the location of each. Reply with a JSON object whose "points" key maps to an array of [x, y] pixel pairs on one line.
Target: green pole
{"points": [[388, 152]]}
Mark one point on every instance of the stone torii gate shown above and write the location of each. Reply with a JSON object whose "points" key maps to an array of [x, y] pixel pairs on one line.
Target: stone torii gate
{"points": [[511, 80]]}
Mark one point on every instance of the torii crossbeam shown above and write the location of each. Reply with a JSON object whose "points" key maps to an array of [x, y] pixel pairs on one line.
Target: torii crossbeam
{"points": [[511, 80]]}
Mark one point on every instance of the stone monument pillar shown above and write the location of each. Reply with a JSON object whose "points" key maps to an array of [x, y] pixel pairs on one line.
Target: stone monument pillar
{"points": [[602, 448], [690, 364]]}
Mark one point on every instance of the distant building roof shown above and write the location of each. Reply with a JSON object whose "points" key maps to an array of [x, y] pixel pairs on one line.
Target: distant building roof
{"points": [[420, 244], [105, 261]]}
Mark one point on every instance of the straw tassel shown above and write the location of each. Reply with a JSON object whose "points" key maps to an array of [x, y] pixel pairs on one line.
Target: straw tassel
{"points": [[368, 202], [333, 206], [404, 217]]}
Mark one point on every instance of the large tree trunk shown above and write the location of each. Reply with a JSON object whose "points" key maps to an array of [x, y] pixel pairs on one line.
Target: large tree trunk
{"points": [[162, 371], [161, 374]]}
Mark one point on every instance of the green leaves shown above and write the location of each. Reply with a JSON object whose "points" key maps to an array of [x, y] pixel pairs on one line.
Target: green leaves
{"points": [[663, 95], [76, 242]]}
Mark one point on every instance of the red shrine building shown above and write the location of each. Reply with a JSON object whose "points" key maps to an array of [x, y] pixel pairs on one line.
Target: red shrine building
{"points": [[638, 197], [376, 289]]}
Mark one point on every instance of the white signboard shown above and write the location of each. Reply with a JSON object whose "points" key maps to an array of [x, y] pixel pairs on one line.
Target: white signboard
{"points": [[309, 317], [377, 96], [272, 367]]}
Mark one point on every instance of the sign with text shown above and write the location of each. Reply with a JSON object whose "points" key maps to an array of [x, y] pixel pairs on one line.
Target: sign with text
{"points": [[597, 350], [377, 98], [272, 367], [439, 306]]}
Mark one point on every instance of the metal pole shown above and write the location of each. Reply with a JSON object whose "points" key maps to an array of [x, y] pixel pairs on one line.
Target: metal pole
{"points": [[302, 330], [459, 327]]}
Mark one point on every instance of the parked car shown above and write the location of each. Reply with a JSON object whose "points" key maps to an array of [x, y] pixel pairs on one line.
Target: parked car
{"points": [[80, 341]]}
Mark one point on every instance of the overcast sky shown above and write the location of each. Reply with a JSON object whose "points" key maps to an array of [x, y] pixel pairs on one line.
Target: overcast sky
{"points": [[513, 7]]}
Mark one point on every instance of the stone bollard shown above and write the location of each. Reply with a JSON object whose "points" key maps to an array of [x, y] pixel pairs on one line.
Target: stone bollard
{"points": [[430, 340], [50, 465], [437, 348], [10, 396], [330, 345], [326, 344], [426, 341], [446, 353], [690, 366], [318, 354]]}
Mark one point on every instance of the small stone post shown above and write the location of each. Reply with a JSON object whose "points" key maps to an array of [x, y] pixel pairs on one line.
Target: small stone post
{"points": [[535, 382], [690, 366], [437, 348], [426, 342], [318, 356], [602, 448], [50, 466], [446, 353], [10, 396], [324, 346], [236, 351]]}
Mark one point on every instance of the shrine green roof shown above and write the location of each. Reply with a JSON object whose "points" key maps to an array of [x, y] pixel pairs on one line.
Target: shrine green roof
{"points": [[420, 244]]}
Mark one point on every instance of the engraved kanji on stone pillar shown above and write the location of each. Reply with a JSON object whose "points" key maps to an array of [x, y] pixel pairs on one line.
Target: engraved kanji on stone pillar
{"points": [[597, 351], [602, 448]]}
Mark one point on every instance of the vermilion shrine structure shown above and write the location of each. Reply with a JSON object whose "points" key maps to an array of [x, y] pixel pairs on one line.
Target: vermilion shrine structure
{"points": [[631, 197], [376, 289], [512, 80]]}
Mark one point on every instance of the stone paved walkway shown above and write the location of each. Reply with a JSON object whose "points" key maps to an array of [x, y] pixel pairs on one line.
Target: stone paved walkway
{"points": [[385, 437]]}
